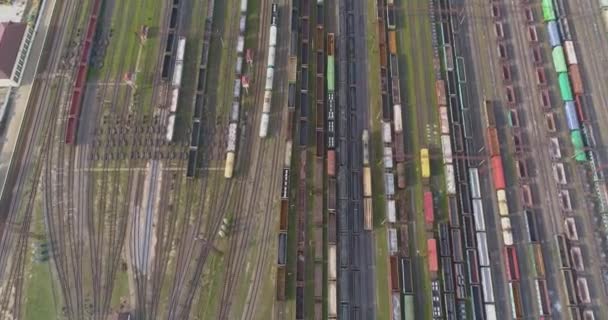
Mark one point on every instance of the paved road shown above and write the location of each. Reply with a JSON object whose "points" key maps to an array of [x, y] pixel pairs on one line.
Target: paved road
{"points": [[20, 99], [356, 275]]}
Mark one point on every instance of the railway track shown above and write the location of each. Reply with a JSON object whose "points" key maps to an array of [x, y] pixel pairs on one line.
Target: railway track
{"points": [[41, 130]]}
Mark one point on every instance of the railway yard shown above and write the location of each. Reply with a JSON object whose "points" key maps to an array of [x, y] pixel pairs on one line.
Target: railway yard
{"points": [[311, 159]]}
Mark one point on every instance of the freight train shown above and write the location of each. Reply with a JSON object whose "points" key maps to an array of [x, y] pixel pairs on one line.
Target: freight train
{"points": [[78, 89], [176, 82], [568, 78], [367, 184], [331, 107], [231, 145], [272, 43]]}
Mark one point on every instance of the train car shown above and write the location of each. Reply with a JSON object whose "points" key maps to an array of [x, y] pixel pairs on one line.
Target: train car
{"points": [[425, 163], [428, 209], [367, 183], [272, 42], [512, 265], [433, 261]]}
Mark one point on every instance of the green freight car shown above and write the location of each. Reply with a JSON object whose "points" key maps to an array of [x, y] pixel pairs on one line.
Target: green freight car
{"points": [[408, 307], [548, 10], [559, 60], [579, 146], [564, 86]]}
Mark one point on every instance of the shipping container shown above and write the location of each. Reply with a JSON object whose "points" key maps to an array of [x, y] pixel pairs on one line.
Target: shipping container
{"points": [[576, 80], [432, 255], [564, 86], [559, 59], [554, 36]]}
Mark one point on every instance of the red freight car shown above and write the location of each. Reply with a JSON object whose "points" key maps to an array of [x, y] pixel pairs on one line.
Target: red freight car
{"points": [[284, 213], [394, 273], [440, 92], [429, 216], [432, 255], [331, 163], [497, 173], [579, 108], [512, 267], [575, 79]]}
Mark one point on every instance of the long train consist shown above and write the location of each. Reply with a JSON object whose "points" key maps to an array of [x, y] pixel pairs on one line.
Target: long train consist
{"points": [[78, 89], [231, 145], [176, 82], [272, 42], [201, 87], [331, 177]]}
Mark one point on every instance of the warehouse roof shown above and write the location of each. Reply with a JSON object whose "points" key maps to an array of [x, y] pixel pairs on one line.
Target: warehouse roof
{"points": [[10, 40]]}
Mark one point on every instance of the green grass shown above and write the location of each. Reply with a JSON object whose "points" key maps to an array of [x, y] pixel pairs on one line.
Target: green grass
{"points": [[410, 68], [383, 299], [41, 292]]}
